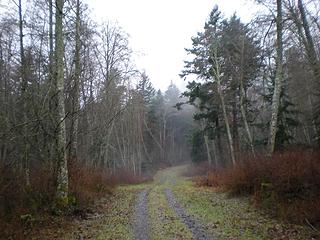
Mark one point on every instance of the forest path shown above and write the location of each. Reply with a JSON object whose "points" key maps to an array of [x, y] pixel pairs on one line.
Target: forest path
{"points": [[173, 207], [168, 218], [178, 209]]}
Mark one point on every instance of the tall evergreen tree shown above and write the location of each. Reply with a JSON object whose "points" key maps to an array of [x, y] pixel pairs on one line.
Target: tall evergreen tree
{"points": [[226, 60]]}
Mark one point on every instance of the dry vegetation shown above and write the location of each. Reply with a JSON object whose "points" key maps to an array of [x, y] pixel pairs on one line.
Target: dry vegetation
{"points": [[287, 184], [21, 208]]}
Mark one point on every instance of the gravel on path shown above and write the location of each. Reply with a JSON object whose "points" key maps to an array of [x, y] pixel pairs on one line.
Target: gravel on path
{"points": [[196, 228], [140, 224]]}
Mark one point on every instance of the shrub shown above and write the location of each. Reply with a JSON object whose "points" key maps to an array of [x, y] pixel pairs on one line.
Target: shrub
{"points": [[20, 206], [88, 184], [124, 177], [288, 182], [18, 203], [197, 170]]}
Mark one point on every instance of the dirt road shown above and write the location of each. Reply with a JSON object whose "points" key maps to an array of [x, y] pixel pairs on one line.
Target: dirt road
{"points": [[172, 207], [167, 218]]}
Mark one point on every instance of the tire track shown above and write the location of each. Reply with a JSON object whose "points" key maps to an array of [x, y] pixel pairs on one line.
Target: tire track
{"points": [[197, 230], [140, 224]]}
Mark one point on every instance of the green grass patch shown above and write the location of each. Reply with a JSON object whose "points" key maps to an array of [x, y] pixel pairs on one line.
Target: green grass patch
{"points": [[164, 223], [233, 218], [117, 223]]}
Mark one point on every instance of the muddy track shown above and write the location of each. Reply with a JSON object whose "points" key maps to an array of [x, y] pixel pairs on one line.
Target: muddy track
{"points": [[140, 224], [196, 228]]}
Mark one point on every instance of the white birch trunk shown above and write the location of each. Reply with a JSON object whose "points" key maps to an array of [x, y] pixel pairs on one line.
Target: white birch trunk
{"points": [[75, 97], [224, 110], [278, 81], [206, 141], [62, 179]]}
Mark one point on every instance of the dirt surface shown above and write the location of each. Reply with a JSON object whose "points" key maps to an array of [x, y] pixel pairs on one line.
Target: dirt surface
{"points": [[141, 220]]}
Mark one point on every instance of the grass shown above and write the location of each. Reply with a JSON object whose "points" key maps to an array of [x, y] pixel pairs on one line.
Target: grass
{"points": [[234, 218], [118, 212], [110, 220], [164, 222], [118, 219]]}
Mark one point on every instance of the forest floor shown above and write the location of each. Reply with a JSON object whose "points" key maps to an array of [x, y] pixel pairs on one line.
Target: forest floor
{"points": [[172, 207]]}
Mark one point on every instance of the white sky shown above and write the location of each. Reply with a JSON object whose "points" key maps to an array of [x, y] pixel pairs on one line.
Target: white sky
{"points": [[160, 30]]}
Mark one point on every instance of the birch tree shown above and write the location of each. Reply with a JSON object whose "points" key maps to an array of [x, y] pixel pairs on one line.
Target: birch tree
{"points": [[76, 88], [62, 171], [278, 80], [217, 76]]}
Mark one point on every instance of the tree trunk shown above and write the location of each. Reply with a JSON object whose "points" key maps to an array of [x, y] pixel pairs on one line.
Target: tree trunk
{"points": [[242, 99], [206, 141], [215, 156], [153, 137], [278, 81], [219, 144], [164, 138], [120, 149], [235, 130], [24, 85], [51, 53], [106, 145], [52, 92], [310, 46], [226, 121], [62, 178], [306, 39], [76, 89], [224, 110], [312, 55]]}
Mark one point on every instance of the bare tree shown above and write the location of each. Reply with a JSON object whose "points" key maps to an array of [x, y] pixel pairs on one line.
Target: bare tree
{"points": [[75, 91], [278, 80], [62, 178], [24, 85]]}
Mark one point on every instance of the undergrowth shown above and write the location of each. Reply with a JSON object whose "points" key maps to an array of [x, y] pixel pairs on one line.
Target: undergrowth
{"points": [[287, 184], [22, 206]]}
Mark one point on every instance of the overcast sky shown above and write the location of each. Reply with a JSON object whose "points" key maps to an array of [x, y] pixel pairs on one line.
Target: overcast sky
{"points": [[160, 30]]}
